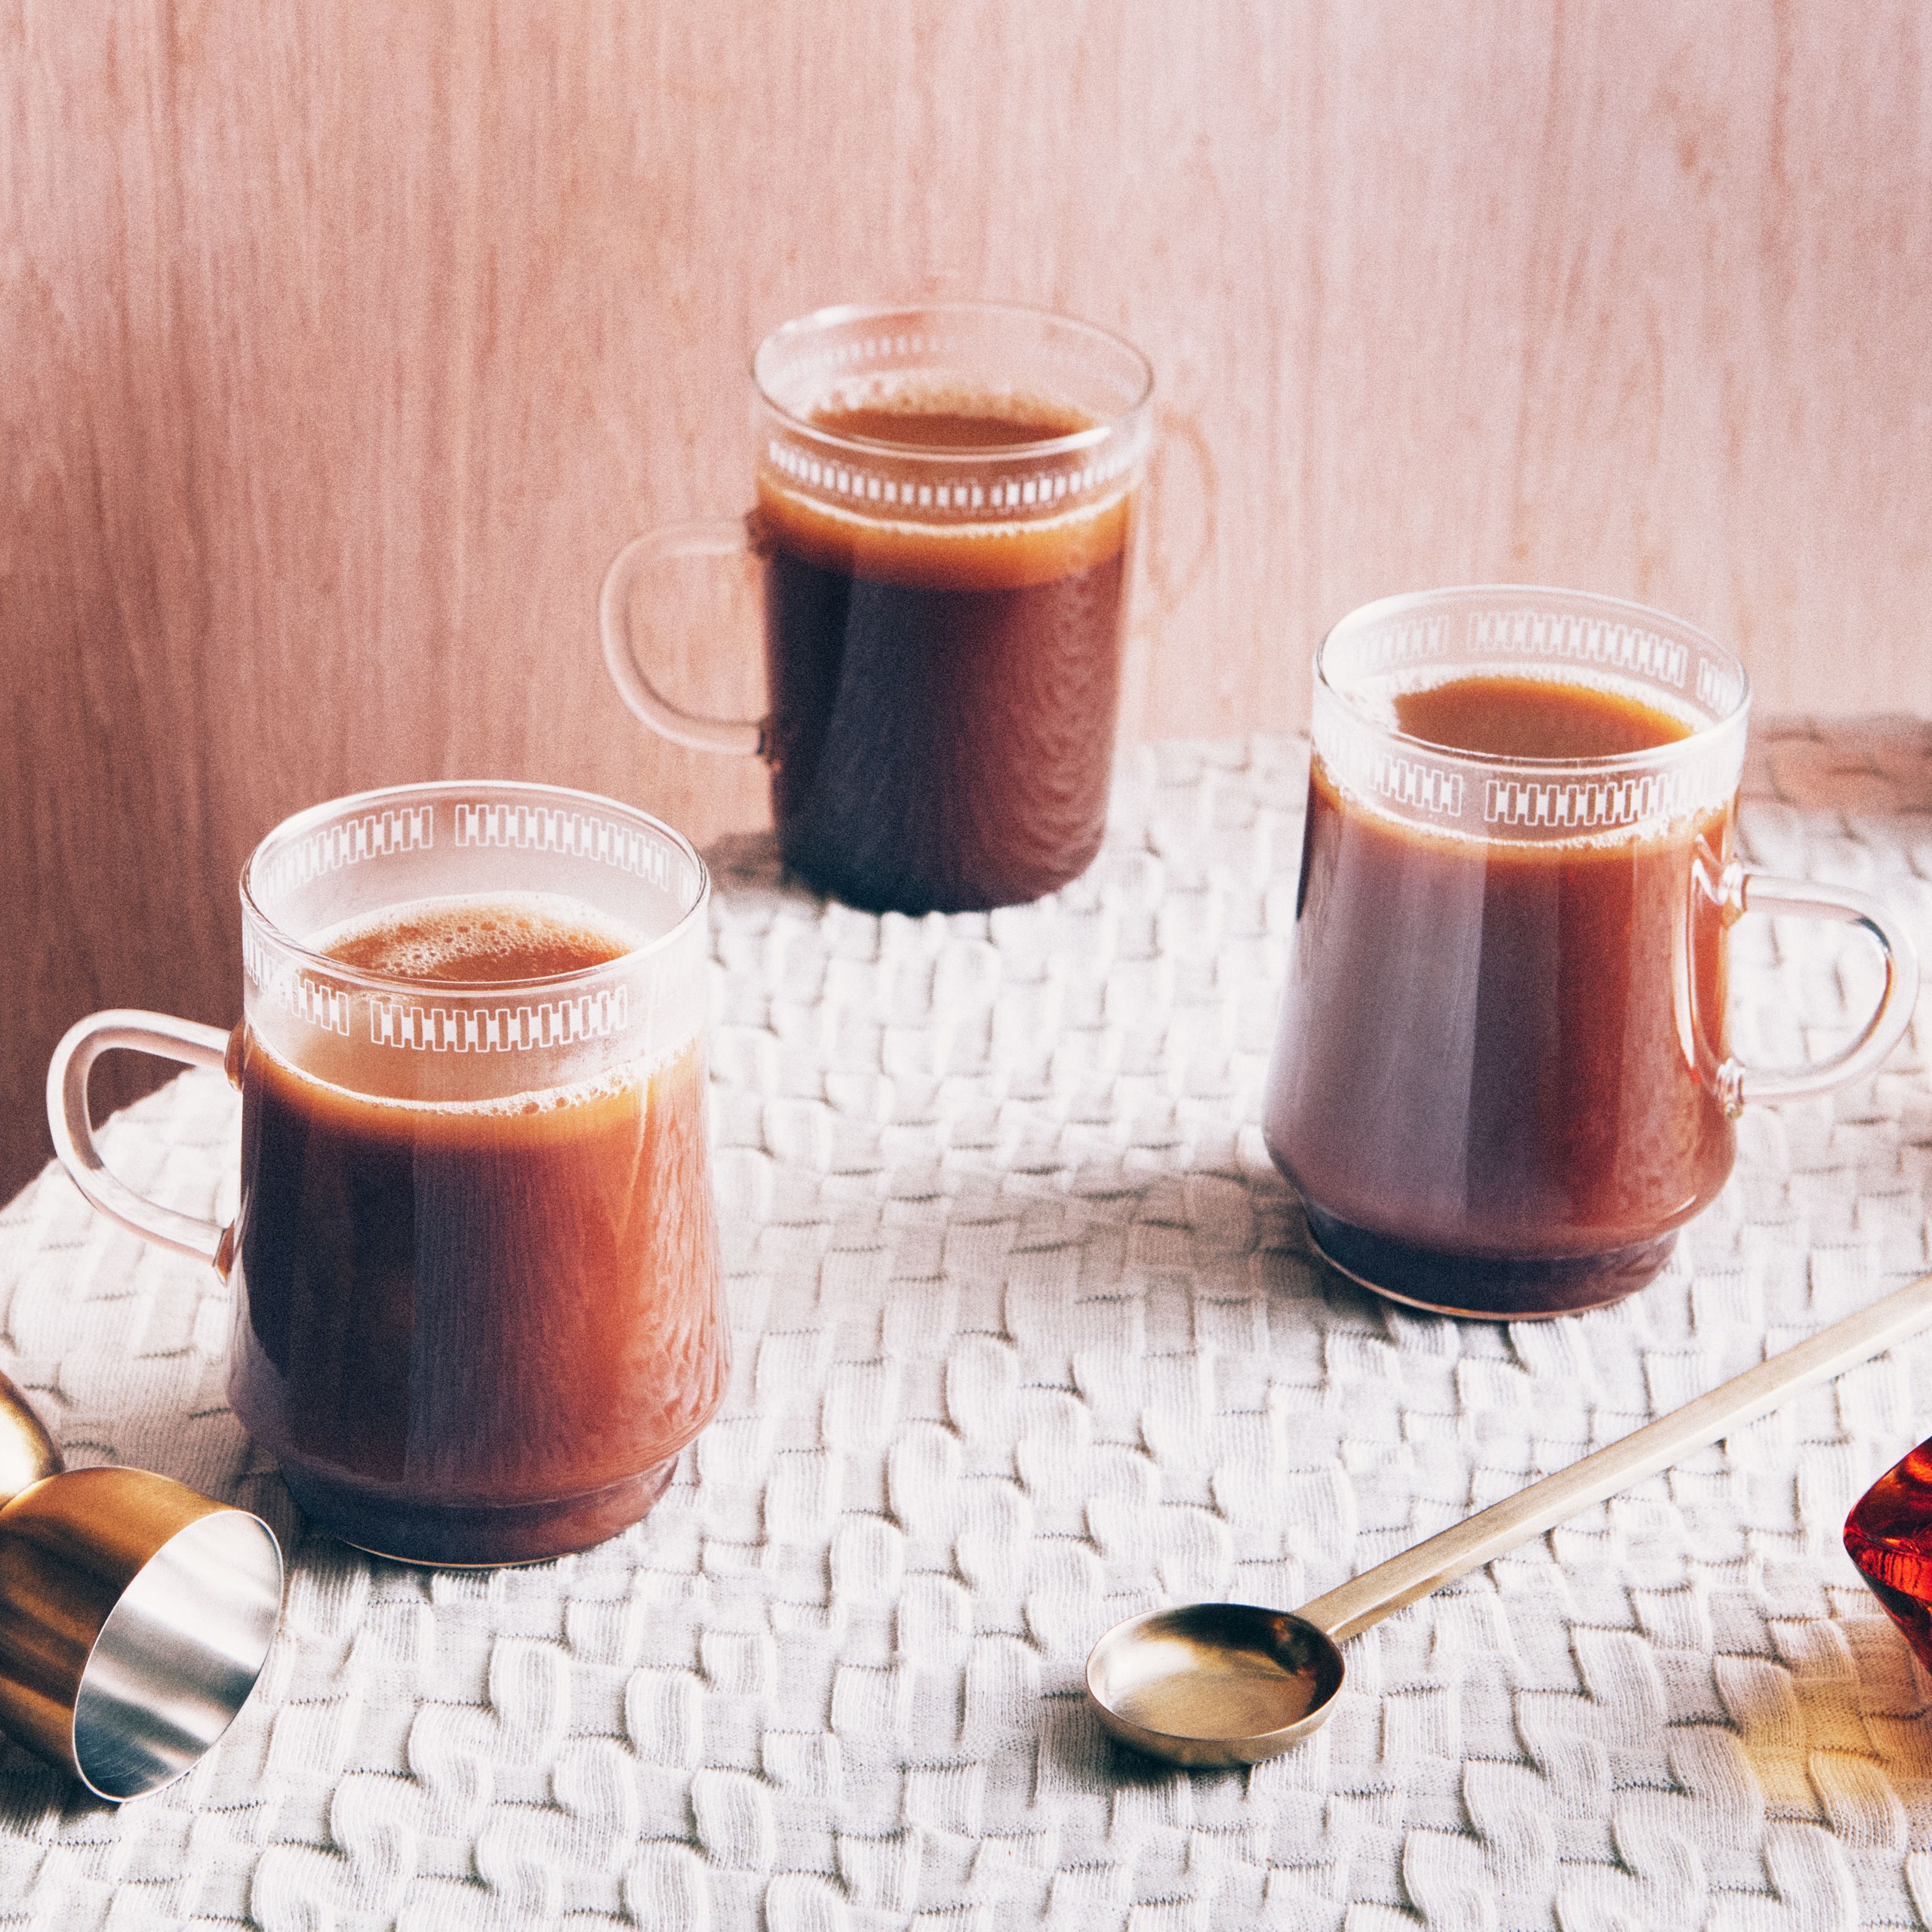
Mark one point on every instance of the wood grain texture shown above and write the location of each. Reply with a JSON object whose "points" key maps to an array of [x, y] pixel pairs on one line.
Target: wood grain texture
{"points": [[343, 346]]}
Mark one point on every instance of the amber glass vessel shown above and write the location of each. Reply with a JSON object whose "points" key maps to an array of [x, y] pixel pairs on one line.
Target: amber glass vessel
{"points": [[1889, 1536]]}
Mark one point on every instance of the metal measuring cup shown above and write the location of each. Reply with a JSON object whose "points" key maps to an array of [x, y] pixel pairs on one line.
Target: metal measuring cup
{"points": [[135, 1615]]}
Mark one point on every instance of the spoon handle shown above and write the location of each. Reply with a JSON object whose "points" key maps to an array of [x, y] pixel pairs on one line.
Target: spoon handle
{"points": [[1389, 1586]]}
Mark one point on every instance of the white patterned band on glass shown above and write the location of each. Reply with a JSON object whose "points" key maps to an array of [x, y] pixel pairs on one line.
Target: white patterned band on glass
{"points": [[1580, 639], [840, 353], [1030, 492], [324, 1007], [582, 835], [1718, 688], [1489, 798], [1407, 641], [1377, 655], [1361, 761], [348, 842], [1520, 800], [1588, 805], [550, 1023], [436, 1027]]}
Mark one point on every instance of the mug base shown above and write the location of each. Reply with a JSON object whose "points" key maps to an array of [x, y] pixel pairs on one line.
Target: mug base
{"points": [[1486, 1288], [449, 1535]]}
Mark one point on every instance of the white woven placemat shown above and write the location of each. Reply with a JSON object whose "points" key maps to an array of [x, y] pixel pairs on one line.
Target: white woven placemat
{"points": [[1028, 1338]]}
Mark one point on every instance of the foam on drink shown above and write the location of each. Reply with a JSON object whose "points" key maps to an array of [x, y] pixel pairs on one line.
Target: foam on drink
{"points": [[463, 938]]}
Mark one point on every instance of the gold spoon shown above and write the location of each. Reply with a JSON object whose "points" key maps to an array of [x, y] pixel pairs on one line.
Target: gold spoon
{"points": [[1209, 1685]]}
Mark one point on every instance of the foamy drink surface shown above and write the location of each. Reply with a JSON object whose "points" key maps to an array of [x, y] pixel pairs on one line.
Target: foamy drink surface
{"points": [[527, 936]]}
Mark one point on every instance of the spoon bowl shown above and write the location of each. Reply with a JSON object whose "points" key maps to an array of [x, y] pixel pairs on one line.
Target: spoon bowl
{"points": [[1211, 1685]]}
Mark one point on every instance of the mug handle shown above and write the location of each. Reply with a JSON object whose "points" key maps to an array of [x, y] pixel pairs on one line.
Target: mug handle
{"points": [[73, 1128], [707, 536], [1739, 892]]}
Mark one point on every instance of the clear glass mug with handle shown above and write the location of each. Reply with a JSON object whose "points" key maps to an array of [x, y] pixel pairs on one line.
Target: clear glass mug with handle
{"points": [[1502, 1076], [477, 1309], [947, 495]]}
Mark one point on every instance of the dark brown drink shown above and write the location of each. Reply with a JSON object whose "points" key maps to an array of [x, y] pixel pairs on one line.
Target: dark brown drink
{"points": [[1495, 1088], [943, 698], [474, 1332]]}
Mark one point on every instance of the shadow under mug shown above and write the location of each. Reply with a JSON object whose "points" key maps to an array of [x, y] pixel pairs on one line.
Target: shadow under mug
{"points": [[477, 1311], [943, 623], [1503, 1077]]}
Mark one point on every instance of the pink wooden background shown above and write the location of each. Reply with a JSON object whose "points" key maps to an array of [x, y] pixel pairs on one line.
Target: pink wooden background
{"points": [[341, 344]]}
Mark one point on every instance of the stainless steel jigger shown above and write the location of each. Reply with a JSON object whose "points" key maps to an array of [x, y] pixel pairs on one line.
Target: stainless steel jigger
{"points": [[1210, 1685], [135, 1615]]}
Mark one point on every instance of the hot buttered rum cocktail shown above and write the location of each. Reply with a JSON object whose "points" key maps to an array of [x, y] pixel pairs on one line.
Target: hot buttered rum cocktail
{"points": [[503, 1300], [1508, 1046], [945, 495], [942, 694], [477, 1304], [1504, 1077]]}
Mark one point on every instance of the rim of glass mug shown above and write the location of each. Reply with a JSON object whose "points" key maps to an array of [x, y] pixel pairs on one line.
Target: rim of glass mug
{"points": [[280, 845], [1018, 487], [476, 1040], [465, 1040], [998, 344], [1401, 642]]}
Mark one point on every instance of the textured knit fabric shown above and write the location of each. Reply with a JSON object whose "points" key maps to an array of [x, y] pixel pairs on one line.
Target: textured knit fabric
{"points": [[1028, 1337]]}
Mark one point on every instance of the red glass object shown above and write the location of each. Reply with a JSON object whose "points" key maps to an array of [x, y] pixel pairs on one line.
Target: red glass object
{"points": [[1889, 1536]]}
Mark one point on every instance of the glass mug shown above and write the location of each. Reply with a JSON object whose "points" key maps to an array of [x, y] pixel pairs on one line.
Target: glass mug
{"points": [[1502, 1078], [477, 1311], [945, 499]]}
